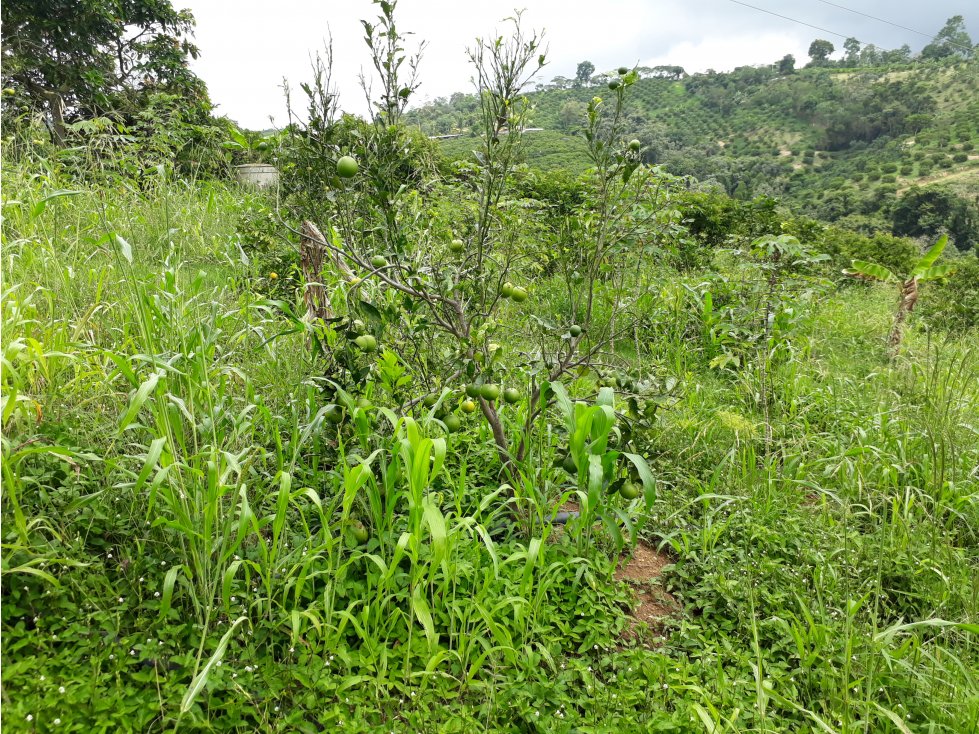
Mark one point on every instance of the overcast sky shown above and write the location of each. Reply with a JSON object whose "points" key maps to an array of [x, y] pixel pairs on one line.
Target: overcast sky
{"points": [[248, 46]]}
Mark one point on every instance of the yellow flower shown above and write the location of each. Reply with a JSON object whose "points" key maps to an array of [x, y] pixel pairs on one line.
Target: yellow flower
{"points": [[273, 276]]}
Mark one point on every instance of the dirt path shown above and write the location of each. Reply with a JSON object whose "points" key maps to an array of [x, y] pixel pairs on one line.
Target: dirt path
{"points": [[941, 177], [653, 605]]}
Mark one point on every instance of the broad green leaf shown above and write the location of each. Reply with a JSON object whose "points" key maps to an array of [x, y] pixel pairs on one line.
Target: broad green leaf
{"points": [[929, 258], [152, 457], [888, 634], [168, 583], [142, 394], [419, 605], [865, 269], [934, 272], [200, 680], [125, 248]]}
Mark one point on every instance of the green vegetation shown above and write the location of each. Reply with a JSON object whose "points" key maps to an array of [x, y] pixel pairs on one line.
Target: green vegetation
{"points": [[840, 141], [432, 444]]}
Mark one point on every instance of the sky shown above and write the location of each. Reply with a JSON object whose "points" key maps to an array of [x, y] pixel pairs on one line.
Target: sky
{"points": [[249, 46]]}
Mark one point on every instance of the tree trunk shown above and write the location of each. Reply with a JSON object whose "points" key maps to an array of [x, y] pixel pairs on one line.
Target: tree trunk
{"points": [[57, 106], [311, 254], [905, 305]]}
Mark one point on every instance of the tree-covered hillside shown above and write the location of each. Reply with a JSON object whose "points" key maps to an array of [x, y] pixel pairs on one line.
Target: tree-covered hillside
{"points": [[843, 141]]}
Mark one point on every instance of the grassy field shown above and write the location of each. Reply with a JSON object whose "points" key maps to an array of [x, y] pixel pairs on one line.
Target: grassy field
{"points": [[191, 543]]}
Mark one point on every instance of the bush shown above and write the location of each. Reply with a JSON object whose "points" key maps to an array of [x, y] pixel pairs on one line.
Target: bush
{"points": [[895, 253], [953, 303]]}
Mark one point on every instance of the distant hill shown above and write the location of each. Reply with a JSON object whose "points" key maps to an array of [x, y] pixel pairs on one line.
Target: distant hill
{"points": [[838, 143]]}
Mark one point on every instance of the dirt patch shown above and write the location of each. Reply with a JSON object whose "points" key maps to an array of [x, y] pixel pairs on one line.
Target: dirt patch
{"points": [[652, 604]]}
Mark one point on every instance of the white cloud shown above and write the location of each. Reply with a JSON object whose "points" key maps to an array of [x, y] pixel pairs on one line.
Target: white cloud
{"points": [[723, 54], [248, 46]]}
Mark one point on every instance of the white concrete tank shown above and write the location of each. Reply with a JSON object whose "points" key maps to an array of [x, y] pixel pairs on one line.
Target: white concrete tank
{"points": [[257, 175]]}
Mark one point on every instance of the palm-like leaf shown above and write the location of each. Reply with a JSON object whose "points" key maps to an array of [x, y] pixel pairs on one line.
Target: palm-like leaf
{"points": [[864, 269], [929, 258], [933, 273]]}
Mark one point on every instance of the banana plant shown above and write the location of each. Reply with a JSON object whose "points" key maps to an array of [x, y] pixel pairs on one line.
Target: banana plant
{"points": [[924, 269]]}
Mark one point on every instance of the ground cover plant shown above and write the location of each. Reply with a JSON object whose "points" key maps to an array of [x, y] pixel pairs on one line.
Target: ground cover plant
{"points": [[374, 451]]}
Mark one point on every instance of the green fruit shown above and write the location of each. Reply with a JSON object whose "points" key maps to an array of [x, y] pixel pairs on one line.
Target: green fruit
{"points": [[334, 414], [489, 392], [430, 400], [357, 327], [630, 490], [506, 290], [519, 295], [468, 406], [575, 330], [347, 167], [511, 395], [378, 261], [614, 84], [472, 391], [634, 145], [452, 423], [623, 70], [366, 342], [263, 146], [359, 531], [456, 246]]}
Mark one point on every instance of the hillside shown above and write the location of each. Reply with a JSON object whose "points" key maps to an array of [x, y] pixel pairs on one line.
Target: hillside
{"points": [[835, 143]]}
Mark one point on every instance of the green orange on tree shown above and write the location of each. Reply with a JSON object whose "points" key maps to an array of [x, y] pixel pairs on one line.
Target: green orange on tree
{"points": [[347, 167]]}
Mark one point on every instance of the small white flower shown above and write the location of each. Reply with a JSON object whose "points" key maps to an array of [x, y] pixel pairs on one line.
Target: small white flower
{"points": [[42, 678], [30, 717], [121, 600], [133, 653], [61, 689], [57, 722]]}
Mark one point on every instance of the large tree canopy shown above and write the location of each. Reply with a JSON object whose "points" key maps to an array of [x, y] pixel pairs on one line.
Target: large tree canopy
{"points": [[77, 58], [930, 212], [952, 40]]}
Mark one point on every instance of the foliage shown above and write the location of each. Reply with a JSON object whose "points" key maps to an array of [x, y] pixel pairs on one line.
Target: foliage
{"points": [[78, 60], [834, 143], [221, 512], [932, 212]]}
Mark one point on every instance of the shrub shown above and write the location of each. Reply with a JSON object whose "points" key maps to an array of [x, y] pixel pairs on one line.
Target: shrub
{"points": [[953, 303]]}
